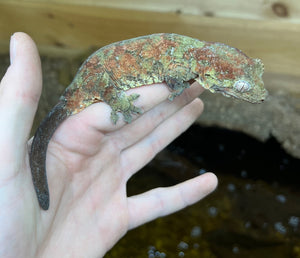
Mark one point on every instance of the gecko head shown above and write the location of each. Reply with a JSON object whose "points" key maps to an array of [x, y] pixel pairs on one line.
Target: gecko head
{"points": [[229, 71]]}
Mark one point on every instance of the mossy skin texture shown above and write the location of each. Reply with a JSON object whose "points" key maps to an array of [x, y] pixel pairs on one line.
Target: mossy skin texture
{"points": [[172, 59]]}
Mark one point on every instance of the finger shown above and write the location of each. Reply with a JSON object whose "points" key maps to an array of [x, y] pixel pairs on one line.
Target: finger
{"points": [[19, 92], [98, 115], [145, 124], [137, 155], [163, 201], [96, 118]]}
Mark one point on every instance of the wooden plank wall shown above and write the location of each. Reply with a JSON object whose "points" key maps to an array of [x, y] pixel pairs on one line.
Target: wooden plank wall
{"points": [[243, 9], [262, 28]]}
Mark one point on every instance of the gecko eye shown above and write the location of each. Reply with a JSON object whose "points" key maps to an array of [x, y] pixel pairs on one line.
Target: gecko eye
{"points": [[242, 86]]}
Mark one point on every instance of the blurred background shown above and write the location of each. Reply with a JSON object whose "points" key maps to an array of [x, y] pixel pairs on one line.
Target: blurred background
{"points": [[253, 149]]}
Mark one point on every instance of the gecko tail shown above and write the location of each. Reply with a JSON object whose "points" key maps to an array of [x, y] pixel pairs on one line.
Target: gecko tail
{"points": [[39, 149]]}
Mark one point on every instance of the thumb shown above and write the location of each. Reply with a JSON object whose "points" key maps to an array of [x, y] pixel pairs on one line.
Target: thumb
{"points": [[20, 90]]}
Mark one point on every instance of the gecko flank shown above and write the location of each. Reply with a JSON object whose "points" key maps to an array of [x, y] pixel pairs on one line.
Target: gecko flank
{"points": [[172, 59]]}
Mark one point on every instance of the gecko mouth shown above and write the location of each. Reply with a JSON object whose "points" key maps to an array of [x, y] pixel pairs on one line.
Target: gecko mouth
{"points": [[225, 94], [243, 96], [250, 100], [230, 95]]}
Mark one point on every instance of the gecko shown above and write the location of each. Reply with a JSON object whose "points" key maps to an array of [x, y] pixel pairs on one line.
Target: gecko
{"points": [[173, 59]]}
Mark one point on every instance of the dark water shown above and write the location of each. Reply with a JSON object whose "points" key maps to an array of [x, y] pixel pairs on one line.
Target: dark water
{"points": [[255, 212]]}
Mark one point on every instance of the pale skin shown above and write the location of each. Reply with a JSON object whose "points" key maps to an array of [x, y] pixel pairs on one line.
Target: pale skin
{"points": [[89, 162]]}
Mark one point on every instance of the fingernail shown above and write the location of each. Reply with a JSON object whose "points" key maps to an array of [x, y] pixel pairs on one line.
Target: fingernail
{"points": [[12, 48]]}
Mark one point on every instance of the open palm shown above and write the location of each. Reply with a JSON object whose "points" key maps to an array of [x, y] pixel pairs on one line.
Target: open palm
{"points": [[89, 162]]}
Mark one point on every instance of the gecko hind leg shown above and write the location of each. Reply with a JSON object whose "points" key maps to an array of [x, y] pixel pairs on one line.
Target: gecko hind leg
{"points": [[124, 105], [177, 86]]}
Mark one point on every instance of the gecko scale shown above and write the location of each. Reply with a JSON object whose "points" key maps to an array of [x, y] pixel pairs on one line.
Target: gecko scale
{"points": [[172, 59]]}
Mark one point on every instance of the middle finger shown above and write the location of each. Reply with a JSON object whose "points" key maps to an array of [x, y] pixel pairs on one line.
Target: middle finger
{"points": [[134, 132]]}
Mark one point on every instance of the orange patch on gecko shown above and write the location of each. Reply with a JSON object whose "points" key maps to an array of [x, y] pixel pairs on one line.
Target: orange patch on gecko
{"points": [[92, 62], [74, 101], [110, 64], [225, 69], [118, 51], [91, 67], [155, 51], [127, 66], [137, 47], [81, 97], [173, 66]]}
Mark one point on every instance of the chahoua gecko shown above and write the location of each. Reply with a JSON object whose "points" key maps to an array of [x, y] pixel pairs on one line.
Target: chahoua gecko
{"points": [[172, 59]]}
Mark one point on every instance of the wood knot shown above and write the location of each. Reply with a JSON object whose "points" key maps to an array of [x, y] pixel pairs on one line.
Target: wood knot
{"points": [[209, 14], [280, 10], [178, 11]]}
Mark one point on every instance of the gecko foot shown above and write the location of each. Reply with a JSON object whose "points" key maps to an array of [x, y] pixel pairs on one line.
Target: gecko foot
{"points": [[124, 106]]}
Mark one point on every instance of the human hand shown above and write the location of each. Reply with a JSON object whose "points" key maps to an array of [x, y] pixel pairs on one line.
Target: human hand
{"points": [[89, 162]]}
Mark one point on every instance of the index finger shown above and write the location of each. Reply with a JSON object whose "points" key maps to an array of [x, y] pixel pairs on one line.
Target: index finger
{"points": [[97, 115]]}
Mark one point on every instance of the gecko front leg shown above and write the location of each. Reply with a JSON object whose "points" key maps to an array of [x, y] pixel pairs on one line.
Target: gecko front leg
{"points": [[121, 103], [177, 83]]}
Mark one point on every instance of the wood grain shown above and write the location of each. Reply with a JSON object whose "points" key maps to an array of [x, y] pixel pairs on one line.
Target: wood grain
{"points": [[242, 9], [71, 29]]}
